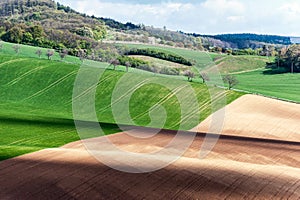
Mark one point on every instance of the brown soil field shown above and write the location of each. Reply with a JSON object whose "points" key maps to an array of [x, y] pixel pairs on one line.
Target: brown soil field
{"points": [[240, 166], [259, 117]]}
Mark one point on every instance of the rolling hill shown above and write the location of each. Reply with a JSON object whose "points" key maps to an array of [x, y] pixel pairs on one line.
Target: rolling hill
{"points": [[45, 97], [38, 92], [243, 164]]}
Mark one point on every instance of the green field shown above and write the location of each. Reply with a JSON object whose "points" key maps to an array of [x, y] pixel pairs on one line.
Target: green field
{"points": [[36, 101], [30, 51], [249, 71], [283, 86], [203, 59], [242, 64], [161, 64]]}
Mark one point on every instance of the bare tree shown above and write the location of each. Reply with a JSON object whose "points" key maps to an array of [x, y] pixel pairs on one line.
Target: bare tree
{"points": [[114, 62], [16, 48], [127, 64], [63, 54], [49, 54], [189, 74], [39, 52], [231, 80], [204, 76]]}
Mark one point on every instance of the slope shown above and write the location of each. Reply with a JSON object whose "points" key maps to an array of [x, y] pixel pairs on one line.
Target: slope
{"points": [[36, 101], [259, 117], [236, 168]]}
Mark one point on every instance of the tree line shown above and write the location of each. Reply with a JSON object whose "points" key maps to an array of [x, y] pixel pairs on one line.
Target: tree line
{"points": [[266, 50]]}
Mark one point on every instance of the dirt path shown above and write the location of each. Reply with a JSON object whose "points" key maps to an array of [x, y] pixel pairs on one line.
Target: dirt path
{"points": [[238, 167]]}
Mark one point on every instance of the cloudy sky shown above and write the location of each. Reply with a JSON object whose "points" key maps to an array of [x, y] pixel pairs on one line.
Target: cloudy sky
{"points": [[281, 17]]}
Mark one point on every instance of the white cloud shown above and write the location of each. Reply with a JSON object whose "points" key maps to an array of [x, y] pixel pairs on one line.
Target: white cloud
{"points": [[291, 11], [224, 6], [236, 18], [207, 16]]}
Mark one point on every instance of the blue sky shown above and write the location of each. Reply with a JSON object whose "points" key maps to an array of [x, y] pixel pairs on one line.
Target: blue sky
{"points": [[281, 17]]}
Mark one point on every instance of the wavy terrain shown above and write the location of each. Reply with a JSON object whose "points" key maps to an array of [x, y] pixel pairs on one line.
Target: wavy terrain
{"points": [[240, 165]]}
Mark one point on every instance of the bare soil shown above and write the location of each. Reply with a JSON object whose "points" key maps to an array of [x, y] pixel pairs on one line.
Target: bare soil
{"points": [[247, 163]]}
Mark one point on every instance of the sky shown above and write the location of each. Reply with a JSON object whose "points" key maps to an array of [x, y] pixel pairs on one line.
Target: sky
{"points": [[276, 17]]}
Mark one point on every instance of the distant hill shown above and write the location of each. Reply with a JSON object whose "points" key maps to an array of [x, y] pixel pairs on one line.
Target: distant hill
{"points": [[295, 40], [244, 40]]}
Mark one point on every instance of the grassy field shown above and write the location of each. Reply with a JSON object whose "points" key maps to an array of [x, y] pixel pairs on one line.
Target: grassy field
{"points": [[249, 70], [36, 101], [42, 87], [241, 64], [202, 59], [159, 64], [30, 51], [284, 86]]}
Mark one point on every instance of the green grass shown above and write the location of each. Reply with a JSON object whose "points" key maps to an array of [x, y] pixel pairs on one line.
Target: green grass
{"points": [[248, 70], [36, 102], [240, 64], [203, 59], [285, 86], [21, 136], [30, 51], [36, 96], [160, 64]]}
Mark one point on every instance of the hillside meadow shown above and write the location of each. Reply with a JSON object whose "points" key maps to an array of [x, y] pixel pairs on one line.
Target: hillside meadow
{"points": [[250, 71], [36, 100], [283, 86]]}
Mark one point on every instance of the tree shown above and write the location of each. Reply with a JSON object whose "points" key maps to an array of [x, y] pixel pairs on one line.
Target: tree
{"points": [[287, 60], [63, 54], [293, 58], [115, 62], [14, 35], [280, 56], [37, 31], [27, 38], [39, 53], [204, 76], [49, 54], [16, 48], [81, 54], [127, 64], [189, 74], [230, 80]]}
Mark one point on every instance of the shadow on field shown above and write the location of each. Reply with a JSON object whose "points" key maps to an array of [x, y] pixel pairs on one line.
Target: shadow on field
{"points": [[48, 177], [45, 121], [275, 71]]}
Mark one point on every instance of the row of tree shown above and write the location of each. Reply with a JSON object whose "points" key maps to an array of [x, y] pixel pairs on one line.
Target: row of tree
{"points": [[128, 62], [266, 50], [228, 78]]}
